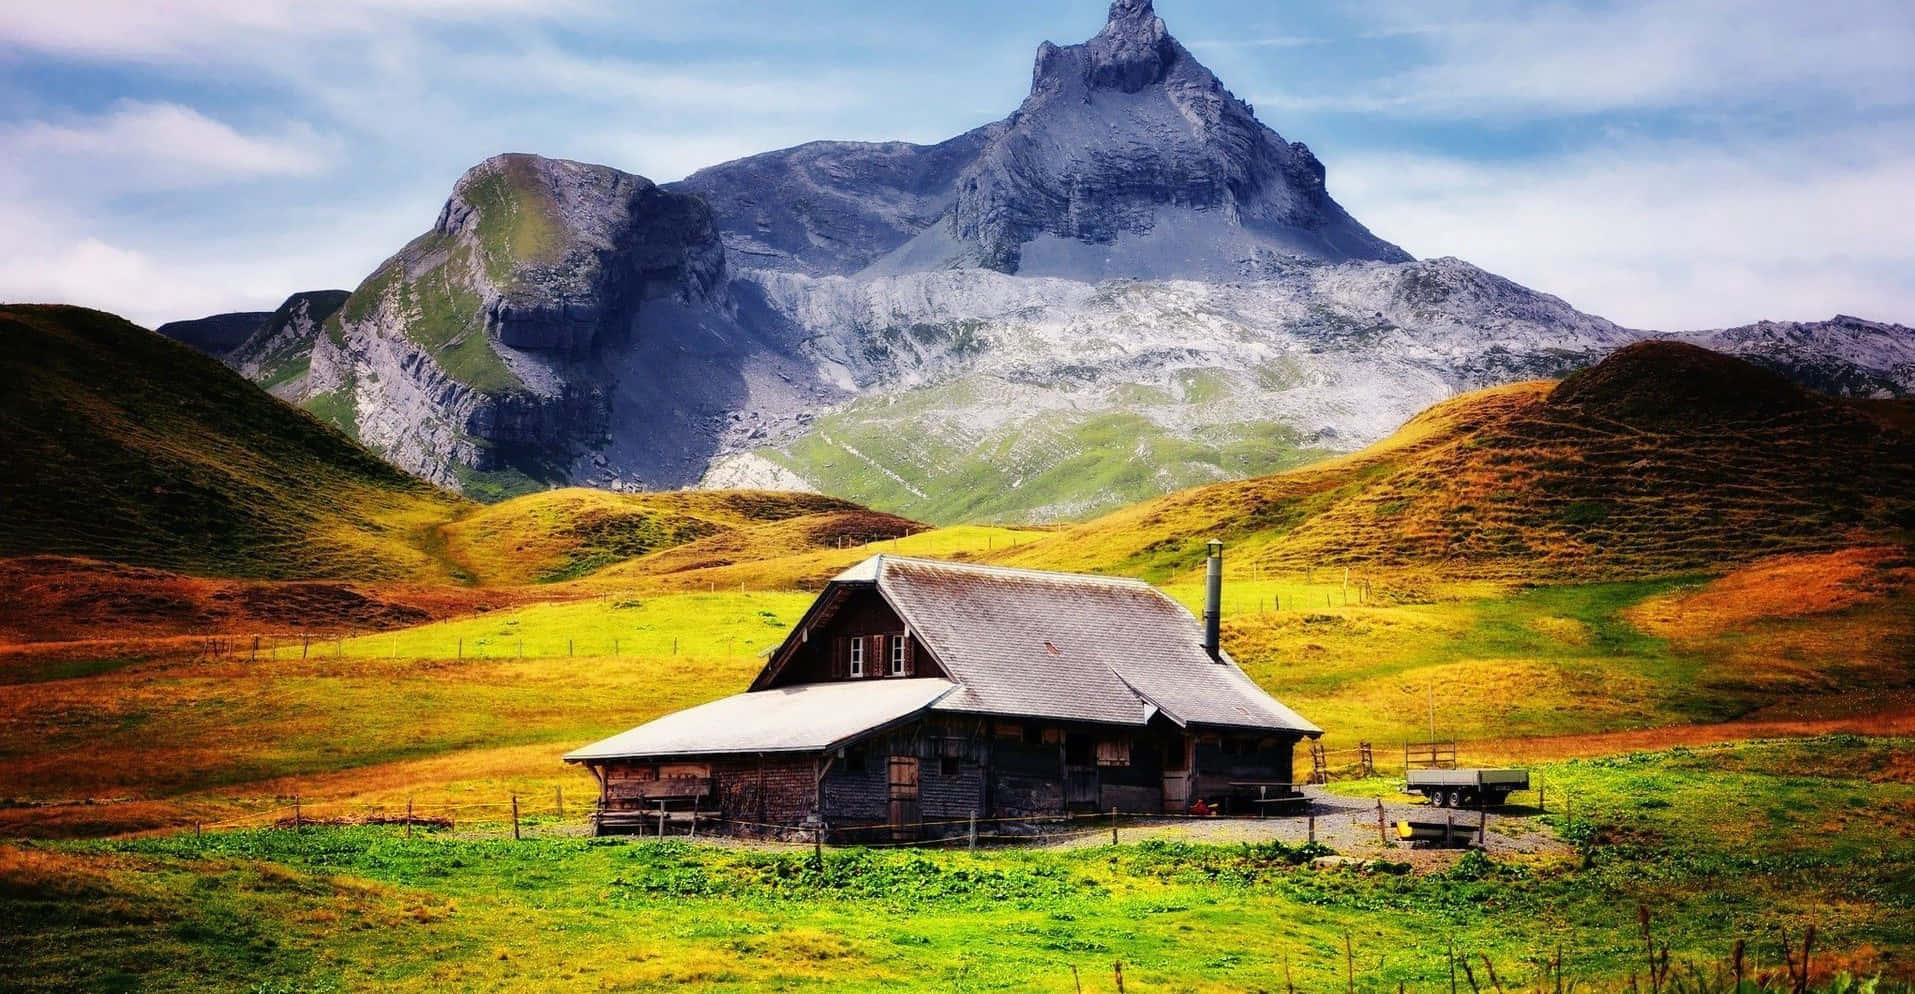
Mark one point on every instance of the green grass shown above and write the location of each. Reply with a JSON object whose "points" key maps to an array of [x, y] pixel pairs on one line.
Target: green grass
{"points": [[133, 448], [1673, 833], [336, 407], [724, 623], [1056, 466]]}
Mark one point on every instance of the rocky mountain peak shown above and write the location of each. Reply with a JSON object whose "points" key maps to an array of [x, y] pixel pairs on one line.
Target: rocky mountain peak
{"points": [[1131, 159], [1133, 51]]}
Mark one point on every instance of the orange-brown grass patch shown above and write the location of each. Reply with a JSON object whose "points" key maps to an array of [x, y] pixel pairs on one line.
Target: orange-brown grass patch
{"points": [[808, 568], [193, 729], [53, 599], [1791, 586], [570, 533], [1619, 472], [1874, 714]]}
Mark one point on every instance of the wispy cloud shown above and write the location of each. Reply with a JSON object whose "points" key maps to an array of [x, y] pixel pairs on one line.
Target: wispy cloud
{"points": [[1669, 234], [157, 145]]}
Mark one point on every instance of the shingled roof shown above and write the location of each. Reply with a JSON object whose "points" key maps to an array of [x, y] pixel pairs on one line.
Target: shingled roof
{"points": [[1066, 646], [806, 718]]}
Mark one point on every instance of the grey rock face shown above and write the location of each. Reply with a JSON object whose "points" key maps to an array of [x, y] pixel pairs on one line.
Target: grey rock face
{"points": [[518, 339], [1128, 159], [1128, 129], [832, 207], [278, 352], [571, 250]]}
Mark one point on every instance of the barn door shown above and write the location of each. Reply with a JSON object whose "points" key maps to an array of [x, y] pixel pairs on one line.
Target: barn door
{"points": [[904, 797], [1176, 774]]}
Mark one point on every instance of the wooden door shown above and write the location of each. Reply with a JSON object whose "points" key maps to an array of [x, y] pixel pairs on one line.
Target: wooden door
{"points": [[904, 797], [1176, 774]]}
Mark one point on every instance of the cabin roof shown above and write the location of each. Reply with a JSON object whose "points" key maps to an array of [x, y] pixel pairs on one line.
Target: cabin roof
{"points": [[806, 718], [1067, 646]]}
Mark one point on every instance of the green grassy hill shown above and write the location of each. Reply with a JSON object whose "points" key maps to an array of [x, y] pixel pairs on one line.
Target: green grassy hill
{"points": [[1665, 459], [127, 446]]}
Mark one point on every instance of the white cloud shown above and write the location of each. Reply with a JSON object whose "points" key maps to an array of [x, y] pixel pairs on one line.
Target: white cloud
{"points": [[1668, 235], [162, 145]]}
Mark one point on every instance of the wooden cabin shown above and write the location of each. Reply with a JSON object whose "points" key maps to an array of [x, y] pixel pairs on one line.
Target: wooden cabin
{"points": [[915, 694]]}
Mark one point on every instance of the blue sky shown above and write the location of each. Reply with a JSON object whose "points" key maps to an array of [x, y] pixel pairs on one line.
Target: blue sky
{"points": [[1667, 165]]}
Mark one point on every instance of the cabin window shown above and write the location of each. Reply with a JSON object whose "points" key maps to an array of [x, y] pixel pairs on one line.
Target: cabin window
{"points": [[1113, 752], [1077, 749], [897, 655], [855, 666]]}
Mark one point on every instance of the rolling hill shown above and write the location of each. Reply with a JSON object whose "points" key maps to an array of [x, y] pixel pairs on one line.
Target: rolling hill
{"points": [[1664, 459], [127, 446]]}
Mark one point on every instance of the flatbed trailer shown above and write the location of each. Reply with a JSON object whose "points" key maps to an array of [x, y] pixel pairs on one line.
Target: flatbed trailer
{"points": [[1465, 788]]}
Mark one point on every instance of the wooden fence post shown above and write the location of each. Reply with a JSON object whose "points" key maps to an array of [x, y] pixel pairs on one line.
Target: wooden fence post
{"points": [[408, 817], [661, 819], [305, 645], [973, 829], [297, 818], [1482, 827], [1113, 825], [1117, 970], [515, 816], [1382, 825], [1313, 827], [558, 800]]}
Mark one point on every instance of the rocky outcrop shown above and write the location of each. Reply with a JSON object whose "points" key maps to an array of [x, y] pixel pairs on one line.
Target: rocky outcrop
{"points": [[568, 251], [1128, 159], [278, 354], [1128, 135], [832, 207], [499, 350]]}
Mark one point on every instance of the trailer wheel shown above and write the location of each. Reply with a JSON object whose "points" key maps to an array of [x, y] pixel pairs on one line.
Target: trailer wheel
{"points": [[1445, 798]]}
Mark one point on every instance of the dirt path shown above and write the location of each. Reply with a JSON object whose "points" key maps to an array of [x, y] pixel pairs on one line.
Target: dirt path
{"points": [[1349, 826]]}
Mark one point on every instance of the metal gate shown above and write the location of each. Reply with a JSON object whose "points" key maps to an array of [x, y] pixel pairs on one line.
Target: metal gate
{"points": [[904, 797]]}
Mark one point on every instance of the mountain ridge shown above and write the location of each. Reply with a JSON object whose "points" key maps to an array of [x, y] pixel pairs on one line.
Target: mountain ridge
{"points": [[1129, 273]]}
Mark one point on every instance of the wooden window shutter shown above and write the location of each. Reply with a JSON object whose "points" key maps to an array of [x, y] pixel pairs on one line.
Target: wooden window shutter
{"points": [[910, 654], [840, 657], [875, 656]]}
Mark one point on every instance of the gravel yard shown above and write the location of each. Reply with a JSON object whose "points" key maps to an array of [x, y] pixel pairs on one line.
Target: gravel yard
{"points": [[1349, 826]]}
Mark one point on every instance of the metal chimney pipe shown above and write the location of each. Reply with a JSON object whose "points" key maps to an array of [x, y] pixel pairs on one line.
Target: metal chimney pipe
{"points": [[1213, 599]]}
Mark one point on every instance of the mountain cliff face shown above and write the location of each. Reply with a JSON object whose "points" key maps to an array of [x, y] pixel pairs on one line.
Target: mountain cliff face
{"points": [[1128, 286], [1128, 154]]}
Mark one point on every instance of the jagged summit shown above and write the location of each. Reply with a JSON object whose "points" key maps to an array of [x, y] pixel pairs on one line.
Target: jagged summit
{"points": [[1133, 51], [1129, 158]]}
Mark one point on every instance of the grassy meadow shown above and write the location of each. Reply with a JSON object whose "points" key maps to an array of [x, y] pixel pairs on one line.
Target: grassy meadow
{"points": [[1751, 840], [1711, 664]]}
